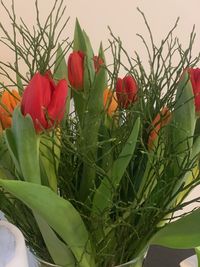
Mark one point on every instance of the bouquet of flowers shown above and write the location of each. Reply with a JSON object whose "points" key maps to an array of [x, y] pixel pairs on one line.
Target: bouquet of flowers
{"points": [[94, 165]]}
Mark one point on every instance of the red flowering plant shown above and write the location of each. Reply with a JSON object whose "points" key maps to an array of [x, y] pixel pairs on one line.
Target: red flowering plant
{"points": [[94, 186]]}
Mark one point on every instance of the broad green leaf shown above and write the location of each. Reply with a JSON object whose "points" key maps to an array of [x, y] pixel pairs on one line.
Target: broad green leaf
{"points": [[79, 40], [82, 43], [60, 215], [59, 252], [184, 119], [183, 233], [182, 130], [103, 195], [60, 69], [23, 144], [79, 104], [12, 148], [89, 72]]}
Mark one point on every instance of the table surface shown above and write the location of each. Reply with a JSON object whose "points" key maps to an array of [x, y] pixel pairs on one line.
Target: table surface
{"points": [[164, 257]]}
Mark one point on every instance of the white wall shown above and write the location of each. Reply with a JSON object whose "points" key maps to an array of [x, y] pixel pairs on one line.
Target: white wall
{"points": [[121, 16]]}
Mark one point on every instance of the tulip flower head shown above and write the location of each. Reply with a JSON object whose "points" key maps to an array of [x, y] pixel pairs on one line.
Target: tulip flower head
{"points": [[8, 102], [44, 101], [126, 90], [195, 80], [98, 62], [109, 101], [162, 118], [76, 69]]}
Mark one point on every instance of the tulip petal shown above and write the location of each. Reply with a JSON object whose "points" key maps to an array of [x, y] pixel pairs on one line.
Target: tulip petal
{"points": [[76, 69], [36, 98], [130, 88], [56, 108], [195, 80]]}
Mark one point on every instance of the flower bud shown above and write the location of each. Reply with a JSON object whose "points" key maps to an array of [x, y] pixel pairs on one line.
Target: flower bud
{"points": [[126, 90], [76, 69]]}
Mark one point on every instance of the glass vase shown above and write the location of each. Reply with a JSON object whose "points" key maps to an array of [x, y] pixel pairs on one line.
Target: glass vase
{"points": [[42, 263], [139, 262]]}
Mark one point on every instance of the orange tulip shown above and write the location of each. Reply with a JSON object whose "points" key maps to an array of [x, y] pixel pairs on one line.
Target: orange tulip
{"points": [[109, 101], [8, 102], [162, 119]]}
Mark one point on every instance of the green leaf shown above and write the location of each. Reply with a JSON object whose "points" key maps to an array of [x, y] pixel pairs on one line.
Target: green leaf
{"points": [[60, 215], [182, 130], [82, 43], [59, 252], [23, 144], [183, 233], [79, 40], [89, 72], [184, 119], [60, 69], [196, 148], [12, 148], [103, 195], [50, 155]]}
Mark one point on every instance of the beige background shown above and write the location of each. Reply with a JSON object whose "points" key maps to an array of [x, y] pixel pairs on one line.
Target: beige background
{"points": [[121, 16]]}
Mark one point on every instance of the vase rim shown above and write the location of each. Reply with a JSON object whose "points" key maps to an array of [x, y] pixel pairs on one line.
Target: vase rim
{"points": [[129, 262], [48, 263]]}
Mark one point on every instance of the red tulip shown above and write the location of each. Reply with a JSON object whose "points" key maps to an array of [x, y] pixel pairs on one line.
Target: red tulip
{"points": [[126, 90], [76, 69], [44, 101], [195, 80], [98, 62]]}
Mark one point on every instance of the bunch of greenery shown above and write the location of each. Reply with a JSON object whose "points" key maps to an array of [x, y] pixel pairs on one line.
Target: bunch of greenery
{"points": [[105, 194]]}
